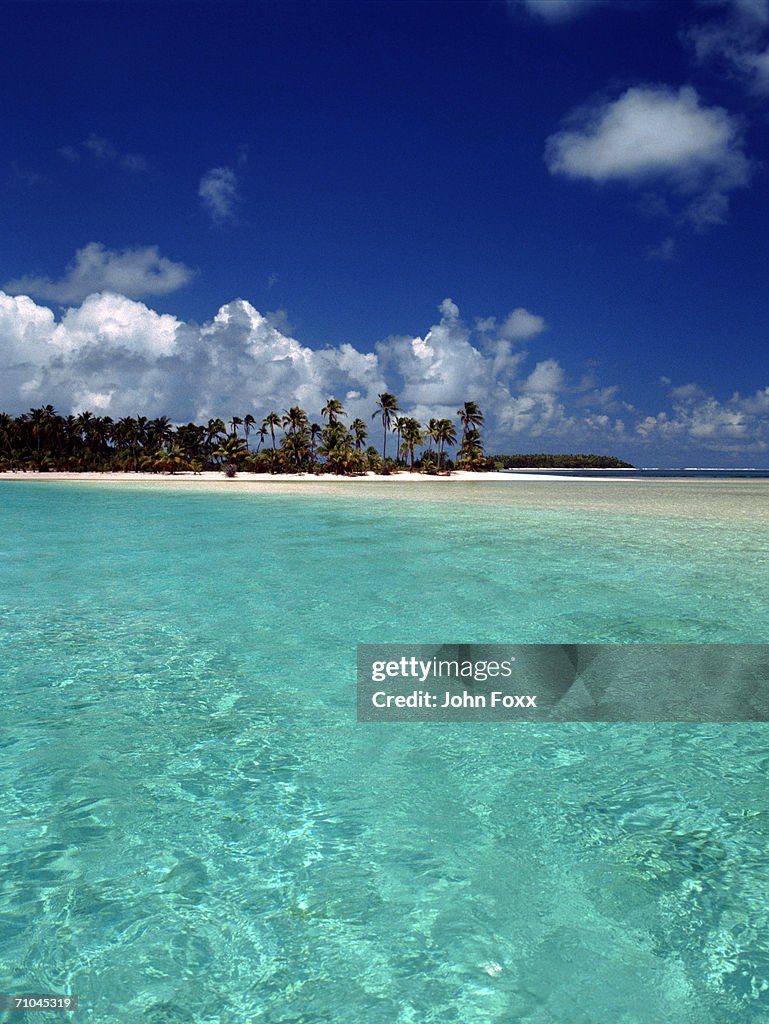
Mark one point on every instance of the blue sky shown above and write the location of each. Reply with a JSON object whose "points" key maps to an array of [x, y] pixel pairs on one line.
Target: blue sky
{"points": [[557, 209]]}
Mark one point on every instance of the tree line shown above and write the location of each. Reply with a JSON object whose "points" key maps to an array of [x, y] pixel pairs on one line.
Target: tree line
{"points": [[550, 461], [283, 442]]}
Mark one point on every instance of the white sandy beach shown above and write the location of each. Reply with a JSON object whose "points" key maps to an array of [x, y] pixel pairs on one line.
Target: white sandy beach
{"points": [[165, 479]]}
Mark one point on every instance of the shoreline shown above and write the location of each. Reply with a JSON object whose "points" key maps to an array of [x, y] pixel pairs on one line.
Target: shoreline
{"points": [[216, 477], [669, 498], [396, 483]]}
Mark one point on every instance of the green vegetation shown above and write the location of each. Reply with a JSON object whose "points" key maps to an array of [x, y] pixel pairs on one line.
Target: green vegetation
{"points": [[385, 409], [41, 439], [543, 461], [287, 442]]}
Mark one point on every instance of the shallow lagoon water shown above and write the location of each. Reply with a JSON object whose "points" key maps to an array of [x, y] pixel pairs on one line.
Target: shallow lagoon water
{"points": [[196, 829]]}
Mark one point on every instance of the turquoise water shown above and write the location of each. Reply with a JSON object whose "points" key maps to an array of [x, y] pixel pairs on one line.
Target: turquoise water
{"points": [[196, 829]]}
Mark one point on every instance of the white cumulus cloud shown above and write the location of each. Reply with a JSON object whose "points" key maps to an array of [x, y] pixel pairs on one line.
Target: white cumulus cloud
{"points": [[652, 133], [118, 357], [547, 377], [522, 324], [108, 324], [131, 272]]}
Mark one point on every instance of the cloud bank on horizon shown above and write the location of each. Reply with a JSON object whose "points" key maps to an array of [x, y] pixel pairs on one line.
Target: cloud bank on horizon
{"points": [[113, 355]]}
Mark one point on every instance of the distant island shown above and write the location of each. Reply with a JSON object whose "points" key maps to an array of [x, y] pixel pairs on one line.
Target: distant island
{"points": [[544, 460], [42, 440]]}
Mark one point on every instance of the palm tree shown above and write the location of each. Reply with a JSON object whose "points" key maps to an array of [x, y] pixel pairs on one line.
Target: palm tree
{"points": [[412, 436], [39, 420], [6, 431], [70, 434], [271, 421], [248, 423], [213, 429], [171, 459], [263, 432], [471, 450], [142, 425], [332, 433], [398, 423], [102, 432], [127, 434], [332, 410], [274, 460], [232, 450], [339, 449], [294, 418], [83, 424], [360, 433], [189, 439], [470, 416], [41, 438], [160, 428], [296, 447], [386, 406], [316, 431], [445, 434]]}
